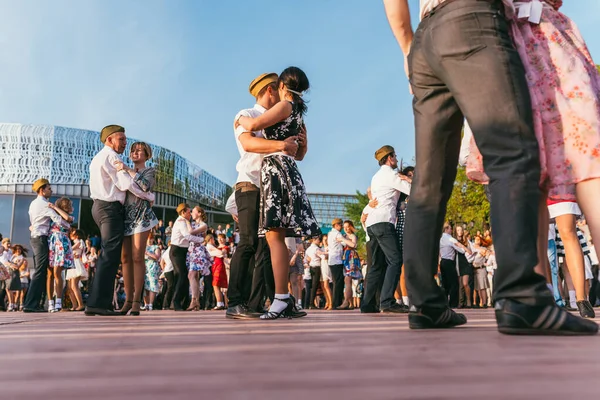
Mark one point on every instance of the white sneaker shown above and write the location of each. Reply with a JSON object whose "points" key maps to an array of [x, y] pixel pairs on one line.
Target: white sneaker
{"points": [[50, 308]]}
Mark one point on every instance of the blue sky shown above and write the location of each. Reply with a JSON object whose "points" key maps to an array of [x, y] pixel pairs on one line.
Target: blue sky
{"points": [[175, 72]]}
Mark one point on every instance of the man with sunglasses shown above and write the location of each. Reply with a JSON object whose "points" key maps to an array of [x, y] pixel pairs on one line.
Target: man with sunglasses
{"points": [[384, 273]]}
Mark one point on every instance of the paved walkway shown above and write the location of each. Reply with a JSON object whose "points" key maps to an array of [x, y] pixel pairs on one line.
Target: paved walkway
{"points": [[327, 355]]}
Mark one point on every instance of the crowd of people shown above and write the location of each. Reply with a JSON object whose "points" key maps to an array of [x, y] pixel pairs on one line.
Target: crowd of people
{"points": [[516, 75]]}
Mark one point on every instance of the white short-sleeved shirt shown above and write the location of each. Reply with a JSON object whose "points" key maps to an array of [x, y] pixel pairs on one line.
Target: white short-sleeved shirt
{"points": [[248, 167]]}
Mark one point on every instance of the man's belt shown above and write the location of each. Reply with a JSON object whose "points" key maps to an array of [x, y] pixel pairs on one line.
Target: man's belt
{"points": [[246, 187]]}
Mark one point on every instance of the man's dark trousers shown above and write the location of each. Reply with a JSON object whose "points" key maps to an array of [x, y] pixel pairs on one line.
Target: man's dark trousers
{"points": [[384, 272], [109, 218], [251, 256], [463, 65], [37, 287]]}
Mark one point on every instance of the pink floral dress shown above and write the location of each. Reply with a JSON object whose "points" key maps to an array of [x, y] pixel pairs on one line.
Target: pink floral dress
{"points": [[565, 95]]}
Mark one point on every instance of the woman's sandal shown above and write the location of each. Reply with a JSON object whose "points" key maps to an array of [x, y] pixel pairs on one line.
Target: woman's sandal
{"points": [[134, 312], [126, 307], [285, 313]]}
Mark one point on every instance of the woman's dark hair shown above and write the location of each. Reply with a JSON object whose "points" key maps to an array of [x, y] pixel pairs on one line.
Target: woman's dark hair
{"points": [[408, 169], [295, 79], [202, 213], [17, 247], [79, 234], [65, 204]]}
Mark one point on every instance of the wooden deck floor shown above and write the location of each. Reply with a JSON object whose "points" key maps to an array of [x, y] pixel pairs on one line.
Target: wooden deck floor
{"points": [[327, 355]]}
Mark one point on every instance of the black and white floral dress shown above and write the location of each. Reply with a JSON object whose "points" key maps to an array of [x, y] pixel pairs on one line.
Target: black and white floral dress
{"points": [[139, 216], [283, 200]]}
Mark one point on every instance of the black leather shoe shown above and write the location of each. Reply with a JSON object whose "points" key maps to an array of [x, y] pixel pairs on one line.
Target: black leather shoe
{"points": [[395, 309], [516, 318], [241, 312], [585, 309], [101, 311], [434, 318], [34, 310]]}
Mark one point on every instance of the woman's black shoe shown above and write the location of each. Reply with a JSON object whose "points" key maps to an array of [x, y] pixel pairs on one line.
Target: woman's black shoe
{"points": [[515, 318], [287, 312], [134, 312], [585, 309], [435, 318]]}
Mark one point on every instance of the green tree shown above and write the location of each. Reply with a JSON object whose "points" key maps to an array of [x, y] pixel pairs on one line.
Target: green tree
{"points": [[468, 202], [354, 211]]}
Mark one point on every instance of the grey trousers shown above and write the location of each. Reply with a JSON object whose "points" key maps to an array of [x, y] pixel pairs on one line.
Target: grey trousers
{"points": [[463, 65]]}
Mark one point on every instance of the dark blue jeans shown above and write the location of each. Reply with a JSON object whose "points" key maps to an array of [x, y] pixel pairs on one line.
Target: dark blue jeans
{"points": [[384, 272]]}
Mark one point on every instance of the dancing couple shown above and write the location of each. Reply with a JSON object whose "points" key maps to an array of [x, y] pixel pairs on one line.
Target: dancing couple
{"points": [[270, 195], [122, 210]]}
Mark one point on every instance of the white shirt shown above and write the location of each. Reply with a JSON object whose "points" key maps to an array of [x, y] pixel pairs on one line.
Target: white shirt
{"points": [[465, 145], [231, 206], [491, 263], [40, 216], [366, 210], [6, 257], [236, 237], [181, 236], [449, 246], [248, 167], [108, 184], [314, 253], [336, 249], [386, 187], [428, 5], [167, 259]]}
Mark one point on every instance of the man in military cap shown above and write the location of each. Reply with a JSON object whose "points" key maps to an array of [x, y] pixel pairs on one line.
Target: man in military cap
{"points": [[108, 187], [252, 257], [386, 187], [40, 216]]}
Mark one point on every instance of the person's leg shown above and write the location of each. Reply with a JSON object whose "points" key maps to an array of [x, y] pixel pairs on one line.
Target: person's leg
{"points": [[247, 204], [128, 272], [388, 242], [375, 274], [566, 225], [170, 289], [178, 255], [337, 275], [77, 291], [208, 292], [109, 218], [138, 257], [315, 274], [553, 262], [465, 284], [280, 262], [348, 291], [39, 246]]}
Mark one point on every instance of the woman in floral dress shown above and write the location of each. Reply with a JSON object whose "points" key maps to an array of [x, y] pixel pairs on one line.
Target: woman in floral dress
{"points": [[78, 273], [60, 253], [284, 206], [139, 222], [198, 259], [351, 262], [151, 284], [565, 94]]}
